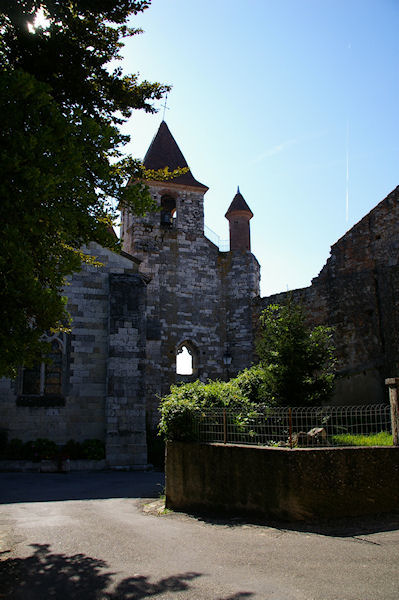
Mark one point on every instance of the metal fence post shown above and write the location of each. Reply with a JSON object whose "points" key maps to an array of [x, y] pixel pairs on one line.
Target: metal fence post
{"points": [[393, 384], [290, 426], [224, 427]]}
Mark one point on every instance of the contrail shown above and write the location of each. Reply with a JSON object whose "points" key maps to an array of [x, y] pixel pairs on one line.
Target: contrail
{"points": [[347, 171]]}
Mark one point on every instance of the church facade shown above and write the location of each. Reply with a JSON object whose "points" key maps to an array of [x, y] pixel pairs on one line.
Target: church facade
{"points": [[172, 292]]}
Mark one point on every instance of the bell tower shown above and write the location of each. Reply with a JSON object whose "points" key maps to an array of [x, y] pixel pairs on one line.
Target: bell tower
{"points": [[198, 298], [180, 201]]}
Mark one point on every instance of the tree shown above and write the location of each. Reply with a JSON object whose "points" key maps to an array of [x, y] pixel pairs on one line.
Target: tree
{"points": [[61, 164], [298, 360]]}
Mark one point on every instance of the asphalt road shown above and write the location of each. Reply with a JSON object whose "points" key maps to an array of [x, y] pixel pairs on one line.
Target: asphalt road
{"points": [[97, 536]]}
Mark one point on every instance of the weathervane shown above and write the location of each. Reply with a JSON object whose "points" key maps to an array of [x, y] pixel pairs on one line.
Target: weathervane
{"points": [[165, 108]]}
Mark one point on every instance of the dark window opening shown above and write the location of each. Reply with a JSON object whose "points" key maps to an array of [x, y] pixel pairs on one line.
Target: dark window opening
{"points": [[31, 380], [168, 211], [53, 371]]}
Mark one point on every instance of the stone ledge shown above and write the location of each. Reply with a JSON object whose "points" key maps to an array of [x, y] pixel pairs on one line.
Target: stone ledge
{"points": [[51, 466]]}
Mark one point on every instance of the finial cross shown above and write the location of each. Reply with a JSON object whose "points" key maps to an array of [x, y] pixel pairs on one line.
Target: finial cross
{"points": [[165, 108]]}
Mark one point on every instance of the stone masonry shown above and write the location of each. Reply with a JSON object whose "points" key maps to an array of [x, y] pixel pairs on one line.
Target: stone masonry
{"points": [[102, 391], [171, 288], [196, 295], [357, 293]]}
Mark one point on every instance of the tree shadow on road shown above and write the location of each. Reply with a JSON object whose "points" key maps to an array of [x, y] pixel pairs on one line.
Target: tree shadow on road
{"points": [[347, 526], [60, 577]]}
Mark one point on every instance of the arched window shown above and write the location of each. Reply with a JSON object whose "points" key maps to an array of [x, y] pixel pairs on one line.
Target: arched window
{"points": [[186, 359], [45, 379], [168, 211]]}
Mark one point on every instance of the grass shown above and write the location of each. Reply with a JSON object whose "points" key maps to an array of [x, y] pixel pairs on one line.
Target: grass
{"points": [[384, 438]]}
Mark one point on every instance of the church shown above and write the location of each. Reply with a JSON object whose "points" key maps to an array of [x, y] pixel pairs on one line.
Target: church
{"points": [[170, 291], [173, 292]]}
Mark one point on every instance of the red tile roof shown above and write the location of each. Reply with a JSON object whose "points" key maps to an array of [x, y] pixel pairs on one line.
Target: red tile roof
{"points": [[238, 204]]}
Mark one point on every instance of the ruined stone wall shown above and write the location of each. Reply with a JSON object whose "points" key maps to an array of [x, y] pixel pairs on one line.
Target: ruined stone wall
{"points": [[372, 242], [357, 293]]}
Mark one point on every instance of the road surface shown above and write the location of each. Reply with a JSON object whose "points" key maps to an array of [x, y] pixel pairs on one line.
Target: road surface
{"points": [[98, 536]]}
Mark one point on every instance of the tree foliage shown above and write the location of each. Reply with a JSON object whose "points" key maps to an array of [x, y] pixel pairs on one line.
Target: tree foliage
{"points": [[298, 360], [185, 403], [61, 163], [73, 53]]}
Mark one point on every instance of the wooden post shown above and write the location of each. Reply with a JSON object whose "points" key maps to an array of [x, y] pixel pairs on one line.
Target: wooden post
{"points": [[393, 384]]}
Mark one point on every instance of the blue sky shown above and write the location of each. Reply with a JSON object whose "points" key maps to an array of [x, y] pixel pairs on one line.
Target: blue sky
{"points": [[277, 96]]}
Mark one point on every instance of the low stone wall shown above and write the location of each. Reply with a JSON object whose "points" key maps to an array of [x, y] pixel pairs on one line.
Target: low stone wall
{"points": [[298, 484]]}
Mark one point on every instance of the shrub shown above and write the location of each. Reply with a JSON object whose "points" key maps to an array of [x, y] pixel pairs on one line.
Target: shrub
{"points": [[93, 450], [15, 450], [253, 385], [178, 409], [42, 449], [72, 450], [36, 450]]}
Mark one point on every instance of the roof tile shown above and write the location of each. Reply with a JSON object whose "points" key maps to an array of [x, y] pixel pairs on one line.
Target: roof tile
{"points": [[238, 203]]}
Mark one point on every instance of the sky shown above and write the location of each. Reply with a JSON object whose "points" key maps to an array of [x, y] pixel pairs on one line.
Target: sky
{"points": [[295, 101]]}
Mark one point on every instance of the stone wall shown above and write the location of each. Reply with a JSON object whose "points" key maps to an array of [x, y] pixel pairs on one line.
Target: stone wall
{"points": [[131, 315], [195, 294], [125, 409], [357, 293], [103, 363], [299, 484]]}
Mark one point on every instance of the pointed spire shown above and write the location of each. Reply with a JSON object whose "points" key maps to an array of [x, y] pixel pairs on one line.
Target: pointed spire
{"points": [[239, 204], [164, 152], [239, 215]]}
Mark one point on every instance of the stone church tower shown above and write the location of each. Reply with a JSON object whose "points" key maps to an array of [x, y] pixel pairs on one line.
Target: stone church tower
{"points": [[171, 292], [198, 298]]}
